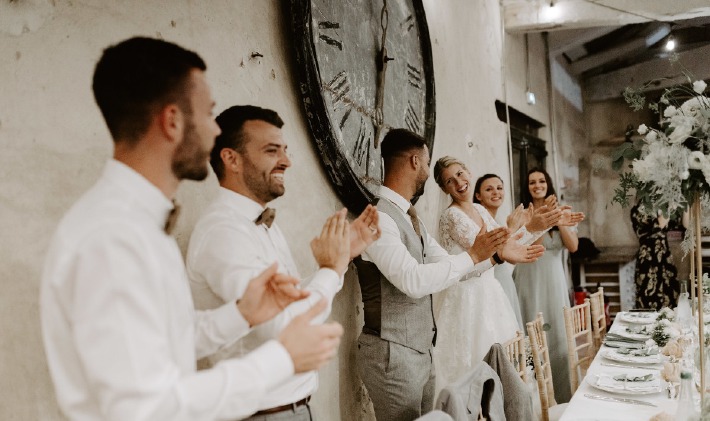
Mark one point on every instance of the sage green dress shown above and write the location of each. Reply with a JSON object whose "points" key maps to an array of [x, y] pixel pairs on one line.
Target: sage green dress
{"points": [[542, 286]]}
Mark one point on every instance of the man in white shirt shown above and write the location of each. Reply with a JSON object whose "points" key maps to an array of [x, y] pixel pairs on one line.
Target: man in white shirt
{"points": [[399, 272], [230, 244], [119, 327]]}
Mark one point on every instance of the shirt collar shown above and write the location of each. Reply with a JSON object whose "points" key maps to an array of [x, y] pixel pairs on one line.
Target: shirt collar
{"points": [[142, 192], [240, 203], [395, 198]]}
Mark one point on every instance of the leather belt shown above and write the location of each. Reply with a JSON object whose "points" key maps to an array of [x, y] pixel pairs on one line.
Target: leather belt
{"points": [[288, 406]]}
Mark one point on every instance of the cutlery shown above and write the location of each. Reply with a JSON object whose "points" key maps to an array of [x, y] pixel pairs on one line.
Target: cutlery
{"points": [[630, 366], [619, 400]]}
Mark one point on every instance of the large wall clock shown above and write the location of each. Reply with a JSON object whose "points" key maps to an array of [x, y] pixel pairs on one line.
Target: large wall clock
{"points": [[364, 67]]}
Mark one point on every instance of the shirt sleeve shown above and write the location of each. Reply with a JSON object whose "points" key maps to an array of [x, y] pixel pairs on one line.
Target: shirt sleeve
{"points": [[409, 276], [219, 327], [228, 258], [528, 237], [124, 326]]}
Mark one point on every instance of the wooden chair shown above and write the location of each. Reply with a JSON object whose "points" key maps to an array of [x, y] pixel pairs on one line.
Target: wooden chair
{"points": [[543, 371], [598, 318], [580, 345], [515, 350]]}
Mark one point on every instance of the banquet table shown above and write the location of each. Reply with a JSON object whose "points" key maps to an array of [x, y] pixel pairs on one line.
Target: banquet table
{"points": [[584, 408]]}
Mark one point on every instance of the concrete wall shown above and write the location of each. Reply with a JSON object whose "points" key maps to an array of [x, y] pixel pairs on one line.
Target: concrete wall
{"points": [[54, 143], [606, 121]]}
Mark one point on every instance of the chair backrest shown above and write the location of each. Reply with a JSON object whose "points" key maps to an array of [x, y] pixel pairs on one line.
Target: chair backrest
{"points": [[541, 364], [515, 350], [580, 345], [598, 318]]}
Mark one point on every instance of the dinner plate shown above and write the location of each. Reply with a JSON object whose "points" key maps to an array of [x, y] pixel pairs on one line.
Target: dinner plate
{"points": [[604, 380], [631, 332], [615, 355], [642, 318]]}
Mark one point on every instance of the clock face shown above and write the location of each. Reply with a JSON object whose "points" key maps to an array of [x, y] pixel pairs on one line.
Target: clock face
{"points": [[351, 98]]}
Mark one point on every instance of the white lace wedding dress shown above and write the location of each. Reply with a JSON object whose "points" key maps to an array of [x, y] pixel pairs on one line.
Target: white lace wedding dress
{"points": [[473, 314]]}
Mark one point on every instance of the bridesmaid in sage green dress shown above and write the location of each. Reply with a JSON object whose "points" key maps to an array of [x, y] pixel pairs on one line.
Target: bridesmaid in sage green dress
{"points": [[542, 285]]}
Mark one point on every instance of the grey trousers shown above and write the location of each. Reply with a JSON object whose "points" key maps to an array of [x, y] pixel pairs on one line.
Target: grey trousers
{"points": [[302, 413], [399, 380]]}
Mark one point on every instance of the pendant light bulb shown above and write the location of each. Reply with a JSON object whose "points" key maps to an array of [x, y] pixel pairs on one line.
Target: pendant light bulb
{"points": [[670, 44]]}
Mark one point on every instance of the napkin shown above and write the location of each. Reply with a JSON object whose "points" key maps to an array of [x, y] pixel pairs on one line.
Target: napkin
{"points": [[647, 383], [642, 352], [639, 330], [631, 378]]}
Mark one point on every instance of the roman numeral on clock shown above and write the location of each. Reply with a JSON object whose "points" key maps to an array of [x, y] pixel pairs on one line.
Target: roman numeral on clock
{"points": [[361, 151], [408, 23], [411, 119], [414, 76], [339, 86], [329, 39]]}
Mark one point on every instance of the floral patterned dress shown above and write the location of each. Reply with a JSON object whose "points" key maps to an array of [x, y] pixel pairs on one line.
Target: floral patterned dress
{"points": [[656, 277]]}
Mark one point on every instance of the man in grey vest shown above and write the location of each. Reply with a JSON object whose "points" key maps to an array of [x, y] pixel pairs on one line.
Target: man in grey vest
{"points": [[399, 272]]}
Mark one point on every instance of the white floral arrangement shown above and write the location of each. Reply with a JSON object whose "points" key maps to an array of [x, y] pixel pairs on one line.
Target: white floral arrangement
{"points": [[666, 313], [665, 331], [670, 165]]}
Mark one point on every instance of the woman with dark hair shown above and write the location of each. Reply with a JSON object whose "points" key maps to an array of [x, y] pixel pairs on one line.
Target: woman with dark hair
{"points": [[489, 193], [542, 285]]}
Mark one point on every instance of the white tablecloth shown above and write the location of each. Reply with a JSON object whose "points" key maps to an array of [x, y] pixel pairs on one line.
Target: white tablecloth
{"points": [[583, 408]]}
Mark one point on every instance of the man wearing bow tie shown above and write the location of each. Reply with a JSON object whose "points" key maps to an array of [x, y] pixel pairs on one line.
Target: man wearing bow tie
{"points": [[236, 239], [119, 327]]}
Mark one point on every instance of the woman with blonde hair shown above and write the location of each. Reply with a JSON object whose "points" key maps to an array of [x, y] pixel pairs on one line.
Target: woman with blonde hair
{"points": [[475, 313]]}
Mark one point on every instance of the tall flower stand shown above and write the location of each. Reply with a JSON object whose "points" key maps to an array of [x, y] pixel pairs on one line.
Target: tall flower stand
{"points": [[697, 277]]}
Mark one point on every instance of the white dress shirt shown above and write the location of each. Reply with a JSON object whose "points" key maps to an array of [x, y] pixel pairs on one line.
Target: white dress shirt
{"points": [[227, 249], [119, 326], [440, 269]]}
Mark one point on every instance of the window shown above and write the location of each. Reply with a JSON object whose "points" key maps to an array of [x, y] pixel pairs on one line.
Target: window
{"points": [[528, 149]]}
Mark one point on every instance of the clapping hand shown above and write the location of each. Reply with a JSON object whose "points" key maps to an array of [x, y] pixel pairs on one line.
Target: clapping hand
{"points": [[267, 295], [570, 218], [311, 346], [331, 248], [544, 217], [519, 217], [486, 243], [514, 252], [364, 231]]}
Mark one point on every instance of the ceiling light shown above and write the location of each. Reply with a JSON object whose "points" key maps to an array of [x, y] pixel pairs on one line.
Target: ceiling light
{"points": [[670, 44]]}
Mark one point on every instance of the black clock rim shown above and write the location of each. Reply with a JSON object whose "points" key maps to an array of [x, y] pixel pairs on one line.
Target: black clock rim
{"points": [[351, 191]]}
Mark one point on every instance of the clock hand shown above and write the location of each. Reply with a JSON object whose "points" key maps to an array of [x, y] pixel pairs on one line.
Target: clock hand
{"points": [[381, 60]]}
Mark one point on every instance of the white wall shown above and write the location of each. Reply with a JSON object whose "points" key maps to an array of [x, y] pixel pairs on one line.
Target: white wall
{"points": [[54, 144]]}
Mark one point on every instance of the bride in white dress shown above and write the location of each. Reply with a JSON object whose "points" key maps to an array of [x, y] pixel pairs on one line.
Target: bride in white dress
{"points": [[473, 314]]}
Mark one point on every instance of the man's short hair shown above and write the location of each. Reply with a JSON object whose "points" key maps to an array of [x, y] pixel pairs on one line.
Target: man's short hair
{"points": [[139, 76], [231, 122], [398, 142]]}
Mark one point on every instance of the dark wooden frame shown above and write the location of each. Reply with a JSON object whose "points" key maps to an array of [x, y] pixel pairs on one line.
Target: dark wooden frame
{"points": [[349, 188]]}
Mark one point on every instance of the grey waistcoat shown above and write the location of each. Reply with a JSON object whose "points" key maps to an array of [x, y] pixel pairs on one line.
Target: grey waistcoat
{"points": [[389, 312]]}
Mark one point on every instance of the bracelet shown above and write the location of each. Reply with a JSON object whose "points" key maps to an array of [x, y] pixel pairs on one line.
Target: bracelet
{"points": [[497, 258]]}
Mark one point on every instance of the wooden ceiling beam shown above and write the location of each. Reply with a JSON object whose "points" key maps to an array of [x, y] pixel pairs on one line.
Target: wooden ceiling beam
{"points": [[569, 40], [661, 72], [626, 50], [535, 16]]}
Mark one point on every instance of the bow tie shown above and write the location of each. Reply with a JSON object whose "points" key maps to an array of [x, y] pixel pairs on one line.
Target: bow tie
{"points": [[171, 221], [266, 217]]}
